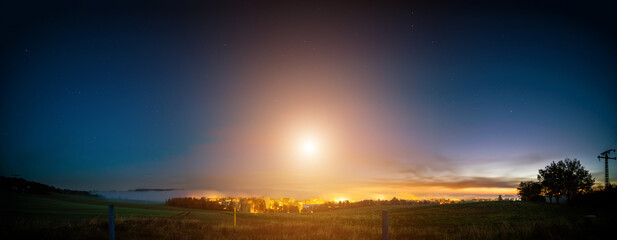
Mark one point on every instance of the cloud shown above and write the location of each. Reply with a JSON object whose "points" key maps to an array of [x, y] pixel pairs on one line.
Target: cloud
{"points": [[451, 182]]}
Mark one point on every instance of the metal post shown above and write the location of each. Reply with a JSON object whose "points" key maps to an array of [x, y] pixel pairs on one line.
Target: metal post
{"points": [[606, 182], [606, 158], [112, 218], [234, 216], [384, 225]]}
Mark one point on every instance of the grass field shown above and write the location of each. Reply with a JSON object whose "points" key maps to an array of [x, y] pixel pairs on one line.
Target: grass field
{"points": [[57, 216]]}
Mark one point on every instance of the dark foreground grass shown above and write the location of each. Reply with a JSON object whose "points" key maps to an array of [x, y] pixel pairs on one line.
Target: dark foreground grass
{"points": [[70, 217]]}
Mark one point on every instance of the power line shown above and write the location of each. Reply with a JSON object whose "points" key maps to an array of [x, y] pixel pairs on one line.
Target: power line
{"points": [[612, 144]]}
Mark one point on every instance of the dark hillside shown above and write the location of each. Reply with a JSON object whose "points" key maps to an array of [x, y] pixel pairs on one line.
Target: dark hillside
{"points": [[20, 185]]}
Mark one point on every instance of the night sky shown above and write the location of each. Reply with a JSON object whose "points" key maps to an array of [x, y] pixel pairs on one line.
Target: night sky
{"points": [[400, 99]]}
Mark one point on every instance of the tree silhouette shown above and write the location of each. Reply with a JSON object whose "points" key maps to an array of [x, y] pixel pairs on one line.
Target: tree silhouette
{"points": [[567, 177], [530, 191]]}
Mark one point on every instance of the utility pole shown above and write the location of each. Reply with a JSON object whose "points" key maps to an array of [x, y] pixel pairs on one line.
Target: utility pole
{"points": [[606, 158], [384, 225], [112, 225]]}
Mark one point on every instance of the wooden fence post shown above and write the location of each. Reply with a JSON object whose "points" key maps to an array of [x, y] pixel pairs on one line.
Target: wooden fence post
{"points": [[384, 225], [112, 218]]}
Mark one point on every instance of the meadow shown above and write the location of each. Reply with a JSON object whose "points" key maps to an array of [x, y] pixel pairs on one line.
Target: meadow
{"points": [[63, 216]]}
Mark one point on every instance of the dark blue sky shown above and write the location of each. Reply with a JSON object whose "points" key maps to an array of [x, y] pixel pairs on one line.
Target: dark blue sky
{"points": [[440, 96]]}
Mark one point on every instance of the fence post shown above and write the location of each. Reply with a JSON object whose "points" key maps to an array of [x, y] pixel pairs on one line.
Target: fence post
{"points": [[112, 218], [384, 225]]}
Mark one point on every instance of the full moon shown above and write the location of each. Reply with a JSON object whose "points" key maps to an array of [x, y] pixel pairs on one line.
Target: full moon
{"points": [[309, 147]]}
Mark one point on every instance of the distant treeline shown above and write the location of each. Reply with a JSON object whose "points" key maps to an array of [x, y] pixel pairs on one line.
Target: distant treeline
{"points": [[333, 205], [153, 189], [203, 203], [20, 185], [598, 197], [197, 203]]}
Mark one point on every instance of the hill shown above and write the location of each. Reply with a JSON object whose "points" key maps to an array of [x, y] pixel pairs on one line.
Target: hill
{"points": [[20, 185]]}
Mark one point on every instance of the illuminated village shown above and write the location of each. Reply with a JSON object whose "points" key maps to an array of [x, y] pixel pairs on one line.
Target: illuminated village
{"points": [[290, 205]]}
